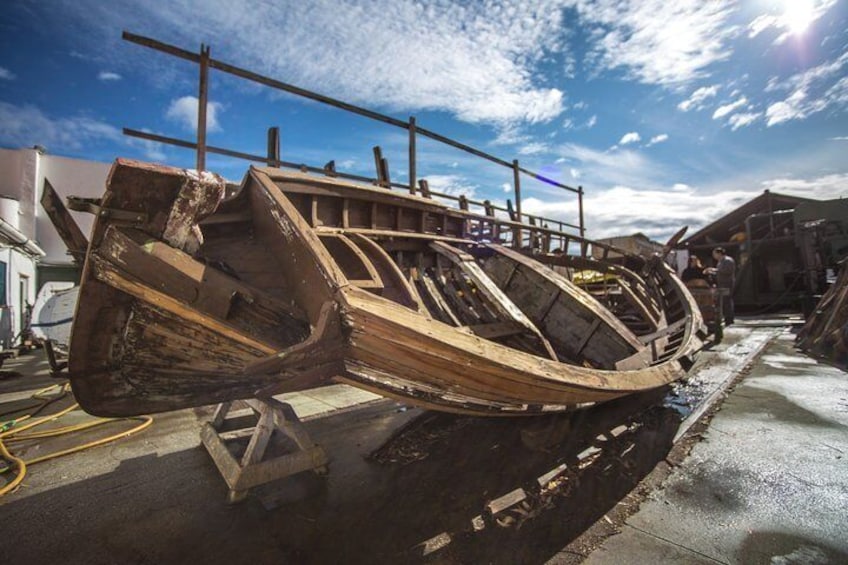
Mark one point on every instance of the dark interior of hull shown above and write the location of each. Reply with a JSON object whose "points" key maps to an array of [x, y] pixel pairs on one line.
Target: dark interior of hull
{"points": [[419, 256]]}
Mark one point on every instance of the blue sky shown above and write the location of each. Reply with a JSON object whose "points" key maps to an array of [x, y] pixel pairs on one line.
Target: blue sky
{"points": [[667, 113]]}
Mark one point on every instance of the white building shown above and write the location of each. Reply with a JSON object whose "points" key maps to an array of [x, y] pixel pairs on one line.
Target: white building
{"points": [[31, 251]]}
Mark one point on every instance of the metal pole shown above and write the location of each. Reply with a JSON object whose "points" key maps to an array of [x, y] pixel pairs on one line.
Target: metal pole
{"points": [[580, 207], [517, 233], [274, 143], [516, 176], [412, 172], [273, 83], [202, 99]]}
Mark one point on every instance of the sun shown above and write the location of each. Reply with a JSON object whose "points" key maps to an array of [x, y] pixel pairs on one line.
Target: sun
{"points": [[798, 15]]}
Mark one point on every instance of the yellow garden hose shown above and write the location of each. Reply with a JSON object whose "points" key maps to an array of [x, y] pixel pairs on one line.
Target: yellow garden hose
{"points": [[12, 432], [21, 465]]}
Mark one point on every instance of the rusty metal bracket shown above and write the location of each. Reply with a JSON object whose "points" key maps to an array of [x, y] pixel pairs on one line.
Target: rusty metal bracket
{"points": [[93, 206]]}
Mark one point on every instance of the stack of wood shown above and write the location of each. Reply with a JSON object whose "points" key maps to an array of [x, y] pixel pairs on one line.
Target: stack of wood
{"points": [[825, 334]]}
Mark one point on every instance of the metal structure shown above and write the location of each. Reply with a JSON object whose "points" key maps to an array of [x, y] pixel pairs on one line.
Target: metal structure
{"points": [[205, 62]]}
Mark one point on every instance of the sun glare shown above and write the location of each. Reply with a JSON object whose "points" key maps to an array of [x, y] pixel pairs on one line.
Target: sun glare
{"points": [[798, 14]]}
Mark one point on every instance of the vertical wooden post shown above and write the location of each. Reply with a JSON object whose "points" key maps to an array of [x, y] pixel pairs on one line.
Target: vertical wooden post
{"points": [[516, 176], [580, 208], [425, 188], [378, 165], [274, 146], [561, 239], [412, 164], [202, 99], [517, 234], [382, 166]]}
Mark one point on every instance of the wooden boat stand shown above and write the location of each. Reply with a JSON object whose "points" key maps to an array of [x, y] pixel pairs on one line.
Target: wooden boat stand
{"points": [[253, 469]]}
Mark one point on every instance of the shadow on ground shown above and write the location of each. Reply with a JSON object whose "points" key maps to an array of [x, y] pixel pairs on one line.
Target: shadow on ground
{"points": [[397, 479]]}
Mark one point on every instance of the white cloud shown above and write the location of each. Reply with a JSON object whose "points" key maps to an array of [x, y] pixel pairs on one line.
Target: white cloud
{"points": [[511, 134], [761, 23], [108, 76], [780, 112], [590, 123], [184, 112], [24, 126], [671, 50], [658, 139], [824, 187], [631, 137], [452, 185], [620, 210], [722, 111], [533, 148], [507, 187], [483, 62], [697, 98], [811, 91], [6, 74], [737, 121], [840, 138], [605, 168], [575, 174], [478, 61], [796, 17]]}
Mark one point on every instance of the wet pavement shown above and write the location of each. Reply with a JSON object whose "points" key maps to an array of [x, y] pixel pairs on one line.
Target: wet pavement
{"points": [[403, 485], [769, 483]]}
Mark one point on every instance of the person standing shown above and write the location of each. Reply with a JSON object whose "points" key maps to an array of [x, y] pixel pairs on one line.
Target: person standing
{"points": [[694, 270], [725, 273]]}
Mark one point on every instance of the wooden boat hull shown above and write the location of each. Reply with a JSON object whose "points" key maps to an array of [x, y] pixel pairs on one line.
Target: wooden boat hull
{"points": [[191, 296]]}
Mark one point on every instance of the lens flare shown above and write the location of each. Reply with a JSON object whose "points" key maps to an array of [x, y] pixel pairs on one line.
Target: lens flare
{"points": [[798, 15]]}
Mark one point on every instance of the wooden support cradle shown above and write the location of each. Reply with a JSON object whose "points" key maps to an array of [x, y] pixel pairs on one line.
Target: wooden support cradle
{"points": [[253, 469]]}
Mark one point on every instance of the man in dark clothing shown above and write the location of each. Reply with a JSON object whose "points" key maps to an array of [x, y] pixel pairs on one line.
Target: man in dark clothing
{"points": [[725, 273]]}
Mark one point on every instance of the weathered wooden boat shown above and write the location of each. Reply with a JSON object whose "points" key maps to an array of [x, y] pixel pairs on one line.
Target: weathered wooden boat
{"points": [[193, 293]]}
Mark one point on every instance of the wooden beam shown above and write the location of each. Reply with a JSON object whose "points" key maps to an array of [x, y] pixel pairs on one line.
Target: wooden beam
{"points": [[202, 99], [64, 223], [109, 274], [496, 329], [493, 294]]}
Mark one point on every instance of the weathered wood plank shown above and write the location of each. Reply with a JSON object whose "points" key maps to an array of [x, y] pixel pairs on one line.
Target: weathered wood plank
{"points": [[106, 272], [64, 223], [396, 287], [495, 296], [283, 231], [355, 264], [202, 287], [496, 329]]}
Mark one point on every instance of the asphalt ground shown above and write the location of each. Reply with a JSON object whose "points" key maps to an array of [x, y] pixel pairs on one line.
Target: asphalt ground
{"points": [[403, 485]]}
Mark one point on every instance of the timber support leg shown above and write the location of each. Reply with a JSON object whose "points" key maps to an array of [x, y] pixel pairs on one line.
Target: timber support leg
{"points": [[253, 468]]}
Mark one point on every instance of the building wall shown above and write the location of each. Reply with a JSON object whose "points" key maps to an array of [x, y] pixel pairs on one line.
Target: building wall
{"points": [[20, 268], [22, 174], [69, 177]]}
